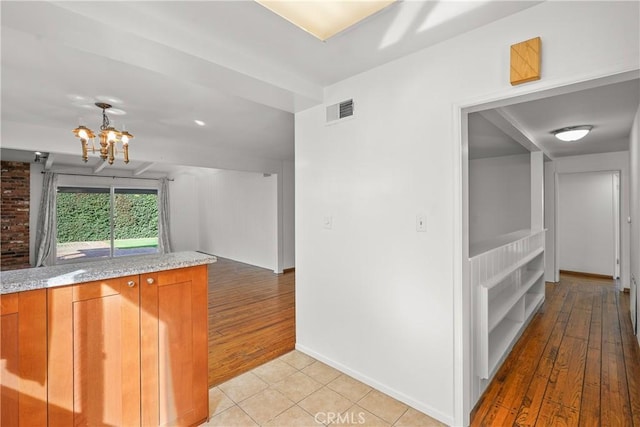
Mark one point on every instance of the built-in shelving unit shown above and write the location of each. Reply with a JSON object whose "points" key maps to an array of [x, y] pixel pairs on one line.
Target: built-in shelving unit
{"points": [[507, 276]]}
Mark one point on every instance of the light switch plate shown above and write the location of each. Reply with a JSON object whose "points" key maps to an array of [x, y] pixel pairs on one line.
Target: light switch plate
{"points": [[421, 223]]}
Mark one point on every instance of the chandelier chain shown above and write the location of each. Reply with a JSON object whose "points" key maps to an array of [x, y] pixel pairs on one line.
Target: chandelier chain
{"points": [[105, 120]]}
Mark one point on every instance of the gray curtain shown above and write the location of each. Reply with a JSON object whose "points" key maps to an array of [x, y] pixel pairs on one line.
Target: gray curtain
{"points": [[45, 231], [163, 217]]}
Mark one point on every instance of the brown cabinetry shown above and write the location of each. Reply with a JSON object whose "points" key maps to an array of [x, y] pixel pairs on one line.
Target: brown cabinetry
{"points": [[129, 351], [23, 358], [174, 347]]}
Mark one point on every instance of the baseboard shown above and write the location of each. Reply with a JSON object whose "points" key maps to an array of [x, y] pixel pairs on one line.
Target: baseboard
{"points": [[591, 275], [434, 413]]}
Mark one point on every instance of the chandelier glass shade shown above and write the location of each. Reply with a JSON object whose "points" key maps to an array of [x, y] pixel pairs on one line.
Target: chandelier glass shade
{"points": [[109, 138]]}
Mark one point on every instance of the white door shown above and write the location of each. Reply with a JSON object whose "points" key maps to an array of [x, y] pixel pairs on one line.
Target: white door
{"points": [[586, 223], [616, 224], [633, 301]]}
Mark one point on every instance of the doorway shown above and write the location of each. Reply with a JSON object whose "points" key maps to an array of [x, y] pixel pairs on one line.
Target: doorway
{"points": [[501, 114], [588, 231]]}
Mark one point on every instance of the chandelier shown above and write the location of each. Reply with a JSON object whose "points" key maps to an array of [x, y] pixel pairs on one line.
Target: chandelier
{"points": [[109, 138]]}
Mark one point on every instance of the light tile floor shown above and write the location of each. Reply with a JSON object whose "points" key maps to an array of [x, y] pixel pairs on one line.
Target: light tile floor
{"points": [[297, 390]]}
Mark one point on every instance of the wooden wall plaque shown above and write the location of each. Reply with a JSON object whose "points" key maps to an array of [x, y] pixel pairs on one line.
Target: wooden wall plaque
{"points": [[525, 61]]}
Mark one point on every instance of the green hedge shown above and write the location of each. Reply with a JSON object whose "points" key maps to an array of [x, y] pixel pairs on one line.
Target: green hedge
{"points": [[84, 217]]}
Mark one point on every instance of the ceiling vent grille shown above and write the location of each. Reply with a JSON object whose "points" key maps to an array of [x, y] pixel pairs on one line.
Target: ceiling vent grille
{"points": [[340, 110]]}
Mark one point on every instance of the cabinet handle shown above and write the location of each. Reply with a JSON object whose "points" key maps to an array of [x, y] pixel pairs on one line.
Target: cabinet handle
{"points": [[150, 280], [131, 283]]}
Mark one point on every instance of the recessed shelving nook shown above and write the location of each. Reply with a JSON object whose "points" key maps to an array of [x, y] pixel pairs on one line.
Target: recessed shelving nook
{"points": [[508, 280], [504, 266]]}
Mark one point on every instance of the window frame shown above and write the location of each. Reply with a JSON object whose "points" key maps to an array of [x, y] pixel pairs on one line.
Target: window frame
{"points": [[112, 192]]}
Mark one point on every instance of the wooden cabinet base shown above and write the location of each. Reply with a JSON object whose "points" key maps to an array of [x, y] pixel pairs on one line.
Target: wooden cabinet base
{"points": [[23, 359], [130, 351], [174, 347]]}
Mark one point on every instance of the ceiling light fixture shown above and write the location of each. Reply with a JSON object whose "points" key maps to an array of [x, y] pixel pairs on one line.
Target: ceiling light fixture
{"points": [[199, 122], [324, 19], [572, 133], [109, 138]]}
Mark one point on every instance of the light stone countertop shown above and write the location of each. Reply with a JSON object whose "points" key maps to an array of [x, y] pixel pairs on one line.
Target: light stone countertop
{"points": [[70, 274]]}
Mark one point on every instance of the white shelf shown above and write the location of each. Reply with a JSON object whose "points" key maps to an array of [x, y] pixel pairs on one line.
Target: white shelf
{"points": [[503, 275], [531, 302], [500, 340], [508, 286], [505, 301], [488, 245]]}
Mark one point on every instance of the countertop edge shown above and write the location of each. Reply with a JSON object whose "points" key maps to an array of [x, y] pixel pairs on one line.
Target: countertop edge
{"points": [[30, 279]]}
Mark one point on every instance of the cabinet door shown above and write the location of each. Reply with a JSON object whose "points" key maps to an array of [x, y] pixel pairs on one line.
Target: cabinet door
{"points": [[174, 347], [94, 353], [23, 358]]}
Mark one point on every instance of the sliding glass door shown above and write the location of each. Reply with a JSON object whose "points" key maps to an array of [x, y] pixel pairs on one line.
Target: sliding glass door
{"points": [[96, 223]]}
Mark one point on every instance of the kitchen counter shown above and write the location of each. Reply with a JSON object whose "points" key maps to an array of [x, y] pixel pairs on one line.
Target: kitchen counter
{"points": [[71, 274]]}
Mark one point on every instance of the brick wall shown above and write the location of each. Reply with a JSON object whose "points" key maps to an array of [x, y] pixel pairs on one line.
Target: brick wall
{"points": [[14, 209]]}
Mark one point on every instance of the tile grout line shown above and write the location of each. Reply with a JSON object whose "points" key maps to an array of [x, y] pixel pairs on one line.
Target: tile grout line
{"points": [[296, 403]]}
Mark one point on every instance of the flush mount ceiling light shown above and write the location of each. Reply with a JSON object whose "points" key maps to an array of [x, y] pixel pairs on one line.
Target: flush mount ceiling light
{"points": [[572, 133], [325, 18], [109, 138]]}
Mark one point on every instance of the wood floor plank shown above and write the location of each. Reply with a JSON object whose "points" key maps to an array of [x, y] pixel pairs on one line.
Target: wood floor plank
{"points": [[251, 318], [590, 407], [567, 376], [578, 363], [534, 395], [499, 416], [631, 352], [555, 414], [551, 349], [528, 411], [578, 324]]}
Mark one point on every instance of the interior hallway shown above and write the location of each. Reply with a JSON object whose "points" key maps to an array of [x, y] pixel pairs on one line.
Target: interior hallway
{"points": [[577, 363]]}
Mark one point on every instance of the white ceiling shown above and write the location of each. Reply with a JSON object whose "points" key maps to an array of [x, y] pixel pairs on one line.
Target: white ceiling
{"points": [[610, 109], [486, 140], [235, 65]]}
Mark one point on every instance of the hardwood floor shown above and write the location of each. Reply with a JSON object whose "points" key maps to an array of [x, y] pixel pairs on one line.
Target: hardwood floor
{"points": [[578, 363], [251, 317]]}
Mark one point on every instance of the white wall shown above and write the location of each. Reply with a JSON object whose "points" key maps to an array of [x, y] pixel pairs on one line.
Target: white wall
{"points": [[499, 196], [234, 215], [184, 213], [634, 154], [238, 217], [618, 161], [586, 223], [374, 297], [289, 231], [550, 177]]}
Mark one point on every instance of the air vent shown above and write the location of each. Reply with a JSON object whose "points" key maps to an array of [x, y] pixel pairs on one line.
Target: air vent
{"points": [[340, 110]]}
